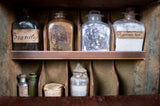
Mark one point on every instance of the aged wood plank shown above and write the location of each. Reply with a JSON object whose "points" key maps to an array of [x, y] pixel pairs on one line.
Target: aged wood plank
{"points": [[79, 31], [61, 55], [91, 78], [8, 69], [67, 86], [153, 51], [83, 3], [41, 80], [145, 100], [140, 81]]}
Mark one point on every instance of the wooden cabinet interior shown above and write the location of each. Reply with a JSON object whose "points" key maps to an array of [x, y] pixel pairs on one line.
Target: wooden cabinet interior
{"points": [[83, 3], [53, 72], [133, 77], [61, 72], [106, 81]]}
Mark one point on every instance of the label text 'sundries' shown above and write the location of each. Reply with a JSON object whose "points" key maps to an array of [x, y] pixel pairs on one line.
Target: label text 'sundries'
{"points": [[26, 36]]}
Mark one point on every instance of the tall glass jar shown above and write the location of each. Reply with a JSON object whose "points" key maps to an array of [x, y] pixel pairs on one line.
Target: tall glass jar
{"points": [[129, 32], [95, 33], [60, 33], [25, 33]]}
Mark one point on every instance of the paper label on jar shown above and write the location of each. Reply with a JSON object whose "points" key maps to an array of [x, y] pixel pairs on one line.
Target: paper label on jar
{"points": [[52, 93], [78, 90], [130, 34], [25, 36], [23, 90]]}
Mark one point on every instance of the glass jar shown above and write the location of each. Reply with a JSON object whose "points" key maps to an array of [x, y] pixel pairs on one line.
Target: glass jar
{"points": [[22, 85], [53, 90], [79, 85], [60, 33], [32, 84], [25, 33], [79, 82], [95, 33], [129, 33]]}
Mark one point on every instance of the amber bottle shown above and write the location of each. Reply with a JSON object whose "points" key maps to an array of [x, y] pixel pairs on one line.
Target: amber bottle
{"points": [[60, 33]]}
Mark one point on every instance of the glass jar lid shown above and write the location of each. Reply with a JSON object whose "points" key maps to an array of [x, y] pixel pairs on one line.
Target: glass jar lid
{"points": [[22, 76], [95, 13], [59, 14], [32, 75], [130, 13]]}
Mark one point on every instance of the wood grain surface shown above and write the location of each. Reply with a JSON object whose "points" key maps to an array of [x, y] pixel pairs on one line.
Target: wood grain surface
{"points": [[83, 3], [145, 100], [73, 55], [152, 46]]}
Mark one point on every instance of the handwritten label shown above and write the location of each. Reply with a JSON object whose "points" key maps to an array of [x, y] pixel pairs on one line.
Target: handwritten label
{"points": [[130, 34], [25, 36]]}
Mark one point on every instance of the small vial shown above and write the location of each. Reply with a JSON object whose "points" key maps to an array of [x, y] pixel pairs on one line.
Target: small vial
{"points": [[22, 85], [32, 84]]}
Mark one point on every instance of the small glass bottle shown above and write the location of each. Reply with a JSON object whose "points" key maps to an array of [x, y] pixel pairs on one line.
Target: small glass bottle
{"points": [[79, 82], [25, 34], [129, 33], [95, 33], [33, 84], [60, 33], [22, 85]]}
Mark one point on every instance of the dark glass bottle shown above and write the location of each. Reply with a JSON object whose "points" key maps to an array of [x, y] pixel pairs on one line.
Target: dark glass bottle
{"points": [[25, 34]]}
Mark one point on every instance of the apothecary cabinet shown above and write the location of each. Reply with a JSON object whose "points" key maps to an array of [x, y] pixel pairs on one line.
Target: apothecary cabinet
{"points": [[110, 73]]}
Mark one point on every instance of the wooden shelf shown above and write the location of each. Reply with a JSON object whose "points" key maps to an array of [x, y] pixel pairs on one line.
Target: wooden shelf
{"points": [[83, 3], [77, 55], [133, 100]]}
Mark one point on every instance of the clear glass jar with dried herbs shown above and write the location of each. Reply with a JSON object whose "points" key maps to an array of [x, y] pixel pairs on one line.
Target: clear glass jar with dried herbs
{"points": [[95, 33], [60, 33]]}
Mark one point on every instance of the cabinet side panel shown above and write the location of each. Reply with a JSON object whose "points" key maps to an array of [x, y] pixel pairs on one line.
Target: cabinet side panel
{"points": [[151, 18], [8, 69], [142, 77]]}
